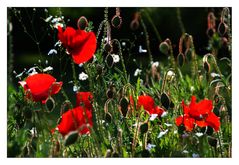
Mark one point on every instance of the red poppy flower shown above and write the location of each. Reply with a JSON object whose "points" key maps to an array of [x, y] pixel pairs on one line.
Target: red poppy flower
{"points": [[75, 119], [84, 98], [200, 114], [147, 102], [80, 44], [187, 121], [39, 87]]}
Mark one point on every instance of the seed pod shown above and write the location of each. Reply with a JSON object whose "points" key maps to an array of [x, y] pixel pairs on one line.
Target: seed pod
{"points": [[144, 128], [164, 47], [116, 21], [109, 61], [206, 66], [71, 138], [165, 100], [108, 117], [82, 23], [212, 141], [124, 103], [180, 59]]}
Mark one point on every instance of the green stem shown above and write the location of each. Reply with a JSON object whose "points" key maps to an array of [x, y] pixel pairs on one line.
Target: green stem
{"points": [[153, 25], [180, 22]]}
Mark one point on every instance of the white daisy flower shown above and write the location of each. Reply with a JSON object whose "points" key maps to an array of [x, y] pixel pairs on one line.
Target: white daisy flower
{"points": [[83, 76], [137, 72]]}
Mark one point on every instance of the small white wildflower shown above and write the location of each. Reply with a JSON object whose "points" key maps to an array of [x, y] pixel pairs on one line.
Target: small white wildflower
{"points": [[116, 58], [76, 88], [167, 124], [153, 116], [83, 76], [192, 88], [214, 75], [137, 72], [94, 59], [123, 43], [175, 131], [195, 155], [155, 64], [162, 133], [48, 69], [46, 62], [141, 50], [199, 134], [52, 52], [170, 75], [34, 131], [185, 152], [80, 65], [164, 114], [58, 43], [150, 146]]}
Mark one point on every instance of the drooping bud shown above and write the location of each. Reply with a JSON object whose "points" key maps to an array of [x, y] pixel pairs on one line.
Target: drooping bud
{"points": [[82, 23], [180, 59], [164, 48]]}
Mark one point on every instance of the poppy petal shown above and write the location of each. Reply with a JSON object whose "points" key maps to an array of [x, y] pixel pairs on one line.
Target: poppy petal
{"points": [[213, 121]]}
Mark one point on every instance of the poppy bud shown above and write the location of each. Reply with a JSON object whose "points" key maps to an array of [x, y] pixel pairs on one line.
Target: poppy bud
{"points": [[124, 102], [82, 23], [212, 141], [50, 104], [109, 60], [134, 25], [180, 59], [71, 138], [188, 54], [222, 28], [99, 69], [108, 117], [206, 66], [164, 47], [210, 32], [116, 21], [165, 100], [144, 128], [108, 47]]}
